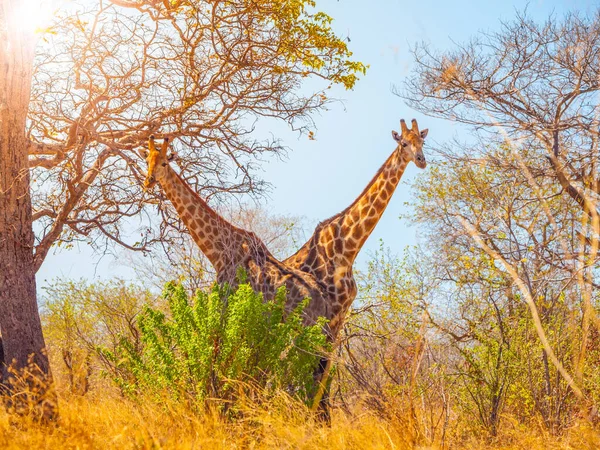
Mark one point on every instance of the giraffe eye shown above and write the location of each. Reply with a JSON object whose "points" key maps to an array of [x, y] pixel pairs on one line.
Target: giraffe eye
{"points": [[404, 144], [164, 164]]}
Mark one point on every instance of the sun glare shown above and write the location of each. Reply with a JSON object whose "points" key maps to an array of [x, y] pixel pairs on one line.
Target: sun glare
{"points": [[34, 15]]}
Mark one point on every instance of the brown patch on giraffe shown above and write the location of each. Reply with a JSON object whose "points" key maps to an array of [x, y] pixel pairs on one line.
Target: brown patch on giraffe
{"points": [[379, 204], [352, 217], [345, 229], [336, 309], [329, 248], [351, 244], [339, 245], [336, 231], [312, 256], [327, 235]]}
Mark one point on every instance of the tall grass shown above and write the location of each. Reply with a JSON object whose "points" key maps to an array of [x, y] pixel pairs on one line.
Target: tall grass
{"points": [[105, 420]]}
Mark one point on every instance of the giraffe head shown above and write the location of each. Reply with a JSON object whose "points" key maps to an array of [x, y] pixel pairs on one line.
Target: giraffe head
{"points": [[157, 161], [410, 142]]}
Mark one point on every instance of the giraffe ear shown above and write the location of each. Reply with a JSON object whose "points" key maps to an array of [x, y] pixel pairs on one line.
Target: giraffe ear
{"points": [[424, 133], [396, 136], [144, 153], [171, 156]]}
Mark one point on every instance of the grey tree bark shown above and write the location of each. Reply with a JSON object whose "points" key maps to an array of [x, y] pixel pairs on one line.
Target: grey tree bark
{"points": [[20, 324]]}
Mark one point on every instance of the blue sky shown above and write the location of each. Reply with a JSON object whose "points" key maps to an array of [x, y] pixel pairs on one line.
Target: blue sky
{"points": [[321, 177]]}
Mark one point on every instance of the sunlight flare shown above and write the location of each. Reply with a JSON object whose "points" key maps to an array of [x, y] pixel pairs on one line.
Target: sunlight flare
{"points": [[34, 16]]}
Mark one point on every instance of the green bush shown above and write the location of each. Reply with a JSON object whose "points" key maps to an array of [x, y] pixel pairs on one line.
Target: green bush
{"points": [[218, 345]]}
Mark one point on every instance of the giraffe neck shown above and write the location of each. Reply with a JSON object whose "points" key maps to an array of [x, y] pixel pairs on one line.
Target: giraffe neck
{"points": [[338, 240], [358, 221], [218, 239]]}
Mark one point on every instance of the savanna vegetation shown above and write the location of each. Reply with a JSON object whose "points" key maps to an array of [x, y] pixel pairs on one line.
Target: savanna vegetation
{"points": [[484, 335], [81, 96]]}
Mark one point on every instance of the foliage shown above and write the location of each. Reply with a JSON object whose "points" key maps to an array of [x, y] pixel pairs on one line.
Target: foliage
{"points": [[511, 217], [478, 308], [78, 317], [208, 74], [82, 314], [393, 362], [218, 344]]}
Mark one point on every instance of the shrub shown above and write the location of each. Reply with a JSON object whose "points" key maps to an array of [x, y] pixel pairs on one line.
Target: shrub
{"points": [[218, 345], [79, 316]]}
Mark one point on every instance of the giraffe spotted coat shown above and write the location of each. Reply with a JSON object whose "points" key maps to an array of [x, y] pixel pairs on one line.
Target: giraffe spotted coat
{"points": [[322, 268]]}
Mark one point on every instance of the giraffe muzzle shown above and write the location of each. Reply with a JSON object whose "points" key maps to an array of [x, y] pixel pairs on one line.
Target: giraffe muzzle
{"points": [[149, 182]]}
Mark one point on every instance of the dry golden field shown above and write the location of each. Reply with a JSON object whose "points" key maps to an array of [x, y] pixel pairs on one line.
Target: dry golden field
{"points": [[103, 420]]}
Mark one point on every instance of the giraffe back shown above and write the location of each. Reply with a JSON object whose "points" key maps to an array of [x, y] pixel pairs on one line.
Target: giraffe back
{"points": [[266, 275]]}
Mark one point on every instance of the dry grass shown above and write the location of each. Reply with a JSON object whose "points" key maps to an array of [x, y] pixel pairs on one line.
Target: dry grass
{"points": [[103, 420], [109, 422]]}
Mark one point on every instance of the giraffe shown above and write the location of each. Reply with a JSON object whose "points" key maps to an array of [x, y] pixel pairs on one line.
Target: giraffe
{"points": [[322, 268], [330, 252], [228, 247]]}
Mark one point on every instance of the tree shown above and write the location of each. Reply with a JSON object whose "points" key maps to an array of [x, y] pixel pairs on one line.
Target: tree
{"points": [[531, 84], [487, 231], [19, 320], [204, 73], [530, 90], [391, 361], [109, 74], [216, 345]]}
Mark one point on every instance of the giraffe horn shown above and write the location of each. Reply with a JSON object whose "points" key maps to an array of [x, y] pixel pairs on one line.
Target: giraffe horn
{"points": [[415, 127], [151, 145], [403, 126], [165, 146]]}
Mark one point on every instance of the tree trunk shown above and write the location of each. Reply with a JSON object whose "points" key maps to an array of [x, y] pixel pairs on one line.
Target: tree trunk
{"points": [[22, 339]]}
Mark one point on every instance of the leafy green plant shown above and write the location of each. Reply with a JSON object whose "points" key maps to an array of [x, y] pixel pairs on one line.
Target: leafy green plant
{"points": [[217, 345]]}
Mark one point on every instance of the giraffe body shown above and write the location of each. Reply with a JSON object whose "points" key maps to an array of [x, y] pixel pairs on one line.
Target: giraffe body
{"points": [[330, 252], [322, 268], [229, 248]]}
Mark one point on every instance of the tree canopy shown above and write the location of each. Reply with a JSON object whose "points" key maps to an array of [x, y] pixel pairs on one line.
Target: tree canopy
{"points": [[110, 74]]}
